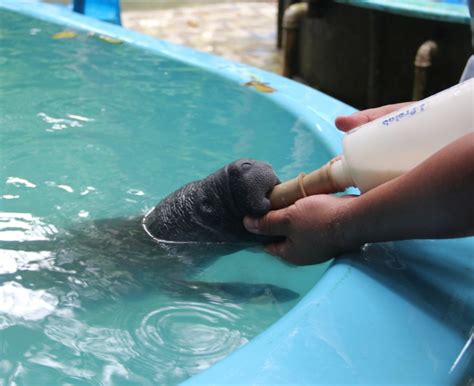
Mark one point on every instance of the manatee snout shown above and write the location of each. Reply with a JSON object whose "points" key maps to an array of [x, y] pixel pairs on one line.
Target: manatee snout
{"points": [[250, 182]]}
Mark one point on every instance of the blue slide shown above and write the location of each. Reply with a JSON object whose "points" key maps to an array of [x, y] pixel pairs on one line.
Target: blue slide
{"points": [[105, 10]]}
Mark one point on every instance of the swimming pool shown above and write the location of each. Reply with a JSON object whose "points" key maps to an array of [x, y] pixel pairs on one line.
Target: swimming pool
{"points": [[95, 130], [94, 148]]}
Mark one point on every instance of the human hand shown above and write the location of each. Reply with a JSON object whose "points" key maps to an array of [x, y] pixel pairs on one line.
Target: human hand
{"points": [[348, 122], [315, 228]]}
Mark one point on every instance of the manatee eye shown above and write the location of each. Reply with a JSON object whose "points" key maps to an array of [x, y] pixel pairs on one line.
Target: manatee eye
{"points": [[206, 206]]}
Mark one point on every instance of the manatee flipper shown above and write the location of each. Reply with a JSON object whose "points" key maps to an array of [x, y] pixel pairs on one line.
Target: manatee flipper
{"points": [[236, 292]]}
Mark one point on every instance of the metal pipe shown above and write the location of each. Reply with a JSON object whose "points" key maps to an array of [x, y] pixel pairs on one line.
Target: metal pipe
{"points": [[292, 18], [279, 22], [423, 61]]}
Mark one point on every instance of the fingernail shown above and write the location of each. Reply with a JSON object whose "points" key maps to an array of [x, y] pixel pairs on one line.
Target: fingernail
{"points": [[251, 224]]}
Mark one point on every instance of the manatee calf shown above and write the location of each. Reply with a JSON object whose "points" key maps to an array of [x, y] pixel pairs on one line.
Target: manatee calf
{"points": [[169, 246]]}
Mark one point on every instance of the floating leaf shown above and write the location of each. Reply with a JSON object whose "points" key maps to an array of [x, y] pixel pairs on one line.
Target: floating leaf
{"points": [[259, 86], [65, 35], [110, 39], [105, 38]]}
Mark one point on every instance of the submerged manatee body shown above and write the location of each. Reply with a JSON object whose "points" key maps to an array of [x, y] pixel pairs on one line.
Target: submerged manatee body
{"points": [[212, 209]]}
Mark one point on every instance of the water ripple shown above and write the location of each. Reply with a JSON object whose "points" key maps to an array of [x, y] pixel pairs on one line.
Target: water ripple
{"points": [[17, 181], [182, 338], [24, 227], [168, 344], [107, 344], [193, 329], [20, 303], [71, 121]]}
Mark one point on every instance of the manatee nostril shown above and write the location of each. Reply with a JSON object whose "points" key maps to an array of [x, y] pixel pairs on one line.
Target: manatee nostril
{"points": [[246, 165]]}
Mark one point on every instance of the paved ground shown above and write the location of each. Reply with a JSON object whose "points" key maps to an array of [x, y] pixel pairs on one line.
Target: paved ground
{"points": [[241, 31]]}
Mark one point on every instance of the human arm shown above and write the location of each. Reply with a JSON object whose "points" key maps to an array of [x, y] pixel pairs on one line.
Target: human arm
{"points": [[434, 200]]}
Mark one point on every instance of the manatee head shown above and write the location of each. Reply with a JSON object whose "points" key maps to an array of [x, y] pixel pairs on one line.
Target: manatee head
{"points": [[212, 209]]}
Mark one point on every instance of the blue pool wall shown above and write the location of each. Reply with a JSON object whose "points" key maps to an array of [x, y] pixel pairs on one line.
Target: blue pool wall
{"points": [[394, 313], [454, 11]]}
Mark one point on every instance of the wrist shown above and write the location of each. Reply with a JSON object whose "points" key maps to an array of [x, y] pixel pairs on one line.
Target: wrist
{"points": [[348, 227]]}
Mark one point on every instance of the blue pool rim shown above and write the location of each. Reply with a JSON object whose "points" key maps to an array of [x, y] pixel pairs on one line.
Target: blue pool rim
{"points": [[397, 313]]}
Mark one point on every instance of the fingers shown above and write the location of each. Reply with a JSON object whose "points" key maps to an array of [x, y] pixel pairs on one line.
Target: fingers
{"points": [[274, 223], [280, 249], [289, 252], [348, 122]]}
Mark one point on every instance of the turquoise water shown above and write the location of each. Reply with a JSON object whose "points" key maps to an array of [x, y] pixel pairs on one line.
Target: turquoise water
{"points": [[95, 131]]}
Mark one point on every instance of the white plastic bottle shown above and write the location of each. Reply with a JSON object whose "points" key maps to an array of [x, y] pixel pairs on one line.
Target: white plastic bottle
{"points": [[388, 146], [394, 144]]}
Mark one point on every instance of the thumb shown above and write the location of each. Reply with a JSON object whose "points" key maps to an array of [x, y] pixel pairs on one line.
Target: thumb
{"points": [[348, 122], [274, 223]]}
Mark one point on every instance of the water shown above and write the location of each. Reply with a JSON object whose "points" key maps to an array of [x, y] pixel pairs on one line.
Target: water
{"points": [[94, 131]]}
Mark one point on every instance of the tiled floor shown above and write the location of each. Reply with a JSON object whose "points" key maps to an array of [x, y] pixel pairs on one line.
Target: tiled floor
{"points": [[241, 31]]}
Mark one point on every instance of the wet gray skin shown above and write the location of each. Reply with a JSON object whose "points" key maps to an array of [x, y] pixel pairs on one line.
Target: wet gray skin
{"points": [[212, 209]]}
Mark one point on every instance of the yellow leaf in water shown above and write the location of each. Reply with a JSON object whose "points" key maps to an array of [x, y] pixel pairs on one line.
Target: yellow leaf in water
{"points": [[109, 39], [65, 35], [259, 86]]}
